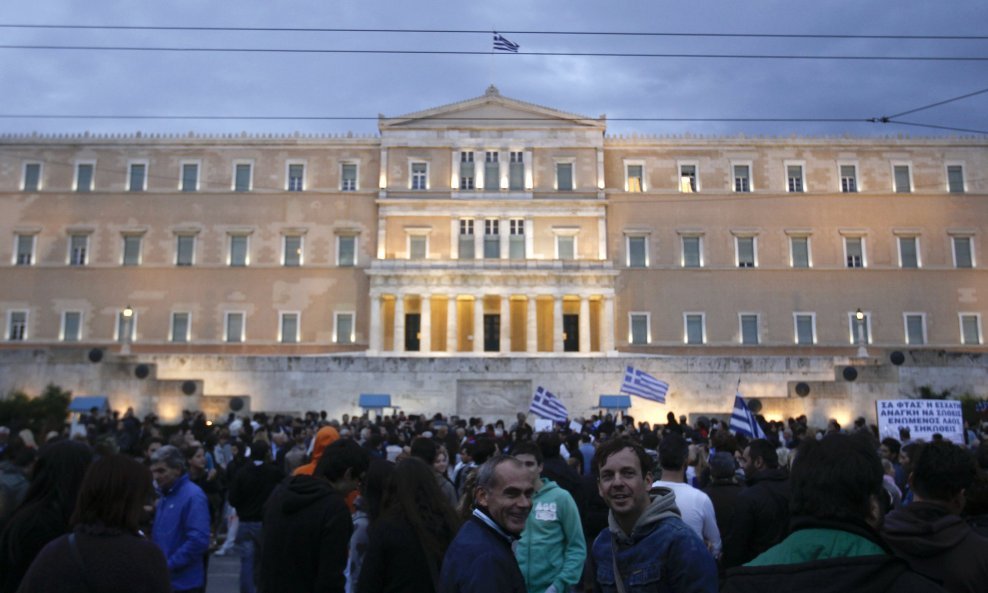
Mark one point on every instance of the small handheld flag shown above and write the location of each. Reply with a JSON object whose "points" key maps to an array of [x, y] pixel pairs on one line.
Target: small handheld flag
{"points": [[642, 384], [548, 406], [502, 44], [743, 421]]}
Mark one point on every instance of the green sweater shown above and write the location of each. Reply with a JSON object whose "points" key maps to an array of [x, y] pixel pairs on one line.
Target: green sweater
{"points": [[807, 545], [552, 548]]}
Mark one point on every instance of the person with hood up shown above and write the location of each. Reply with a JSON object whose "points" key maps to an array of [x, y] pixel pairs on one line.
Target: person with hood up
{"points": [[646, 547], [326, 436], [307, 524], [929, 532]]}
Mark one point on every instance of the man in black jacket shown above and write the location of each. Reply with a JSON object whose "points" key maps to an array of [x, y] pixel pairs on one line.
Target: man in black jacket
{"points": [[307, 524], [250, 488], [761, 511]]}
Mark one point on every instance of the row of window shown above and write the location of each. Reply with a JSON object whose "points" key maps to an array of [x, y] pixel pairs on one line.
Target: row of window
{"points": [[804, 329], [180, 330], [238, 252], [800, 254], [493, 177]]}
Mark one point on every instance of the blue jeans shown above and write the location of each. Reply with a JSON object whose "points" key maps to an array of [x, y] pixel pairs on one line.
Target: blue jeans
{"points": [[249, 542]]}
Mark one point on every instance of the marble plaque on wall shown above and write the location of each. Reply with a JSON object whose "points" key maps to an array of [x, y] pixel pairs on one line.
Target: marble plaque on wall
{"points": [[492, 399]]}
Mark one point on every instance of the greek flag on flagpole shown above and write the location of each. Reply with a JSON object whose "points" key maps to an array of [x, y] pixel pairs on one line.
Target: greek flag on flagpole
{"points": [[743, 421], [642, 384], [546, 405], [502, 44]]}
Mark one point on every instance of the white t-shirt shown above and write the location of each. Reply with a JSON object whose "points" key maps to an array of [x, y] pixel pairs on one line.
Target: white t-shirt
{"points": [[697, 512]]}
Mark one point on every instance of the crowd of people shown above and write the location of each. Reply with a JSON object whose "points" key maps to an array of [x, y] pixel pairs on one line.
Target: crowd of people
{"points": [[443, 504]]}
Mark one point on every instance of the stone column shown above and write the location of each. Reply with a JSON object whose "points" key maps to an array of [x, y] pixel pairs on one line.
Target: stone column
{"points": [[584, 324], [478, 238], [399, 345], [451, 335], [454, 239], [601, 238], [531, 329], [478, 323], [505, 323], [504, 227], [607, 326], [425, 344], [375, 324], [557, 323], [530, 239]]}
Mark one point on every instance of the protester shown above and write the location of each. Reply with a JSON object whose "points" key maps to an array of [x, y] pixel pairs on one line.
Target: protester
{"points": [[249, 491], [646, 546], [480, 559], [106, 551], [367, 510], [427, 451], [326, 436], [694, 506], [46, 510], [181, 521]]}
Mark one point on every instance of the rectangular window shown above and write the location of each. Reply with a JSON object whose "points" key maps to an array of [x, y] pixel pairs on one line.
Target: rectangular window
{"points": [[854, 251], [243, 177], [638, 328], [71, 326], [963, 254], [296, 177], [137, 180], [749, 329], [516, 171], [24, 250], [78, 250], [865, 328], [289, 328], [915, 329], [901, 178], [687, 178], [84, 177], [234, 327], [742, 178], [348, 177], [799, 252], [634, 178], [467, 170], [492, 171], [190, 177], [132, 250], [492, 239], [692, 252], [292, 257], [565, 247], [564, 176], [420, 176], [908, 252], [848, 179], [805, 328], [346, 251], [238, 250], [17, 326], [344, 328], [970, 329], [516, 244], [694, 333], [955, 179], [637, 251], [418, 246], [185, 250], [794, 177], [466, 244], [32, 176], [745, 251], [181, 327]]}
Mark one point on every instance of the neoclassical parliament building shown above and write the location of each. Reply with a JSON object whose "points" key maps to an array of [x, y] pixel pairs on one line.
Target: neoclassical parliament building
{"points": [[493, 227]]}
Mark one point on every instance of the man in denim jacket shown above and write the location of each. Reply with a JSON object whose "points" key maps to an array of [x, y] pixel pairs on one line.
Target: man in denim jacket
{"points": [[646, 547]]}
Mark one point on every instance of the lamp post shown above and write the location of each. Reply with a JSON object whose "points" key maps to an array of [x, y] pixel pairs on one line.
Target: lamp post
{"points": [[128, 316], [859, 327]]}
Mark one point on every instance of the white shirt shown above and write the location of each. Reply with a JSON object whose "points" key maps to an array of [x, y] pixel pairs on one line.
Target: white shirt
{"points": [[697, 512]]}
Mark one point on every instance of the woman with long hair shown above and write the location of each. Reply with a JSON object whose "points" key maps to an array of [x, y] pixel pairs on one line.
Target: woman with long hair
{"points": [[106, 552], [45, 512], [409, 540]]}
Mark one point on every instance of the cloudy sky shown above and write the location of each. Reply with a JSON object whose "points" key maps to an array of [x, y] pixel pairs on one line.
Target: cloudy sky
{"points": [[284, 84]]}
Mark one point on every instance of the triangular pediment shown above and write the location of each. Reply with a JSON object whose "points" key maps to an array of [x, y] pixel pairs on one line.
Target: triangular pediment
{"points": [[490, 110]]}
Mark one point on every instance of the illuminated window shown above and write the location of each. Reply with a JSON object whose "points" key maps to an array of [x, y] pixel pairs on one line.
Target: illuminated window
{"points": [[634, 177], [516, 241], [292, 251], [687, 178], [564, 176]]}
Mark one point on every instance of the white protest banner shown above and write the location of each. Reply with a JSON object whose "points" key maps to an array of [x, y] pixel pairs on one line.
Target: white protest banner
{"points": [[923, 418], [543, 425]]}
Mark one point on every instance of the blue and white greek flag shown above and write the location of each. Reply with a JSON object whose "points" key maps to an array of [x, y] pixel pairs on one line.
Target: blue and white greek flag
{"points": [[546, 405], [743, 421], [502, 44], [642, 384]]}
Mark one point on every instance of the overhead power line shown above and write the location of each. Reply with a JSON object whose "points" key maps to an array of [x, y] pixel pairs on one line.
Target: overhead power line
{"points": [[486, 32], [487, 53]]}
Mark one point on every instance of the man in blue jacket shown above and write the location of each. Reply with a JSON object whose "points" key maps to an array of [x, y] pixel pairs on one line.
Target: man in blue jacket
{"points": [[181, 521], [480, 560]]}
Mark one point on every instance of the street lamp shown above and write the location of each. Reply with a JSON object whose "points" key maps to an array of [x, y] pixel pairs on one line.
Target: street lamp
{"points": [[859, 327], [128, 317]]}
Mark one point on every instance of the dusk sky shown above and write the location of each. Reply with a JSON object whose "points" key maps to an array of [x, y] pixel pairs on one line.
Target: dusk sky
{"points": [[36, 82]]}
